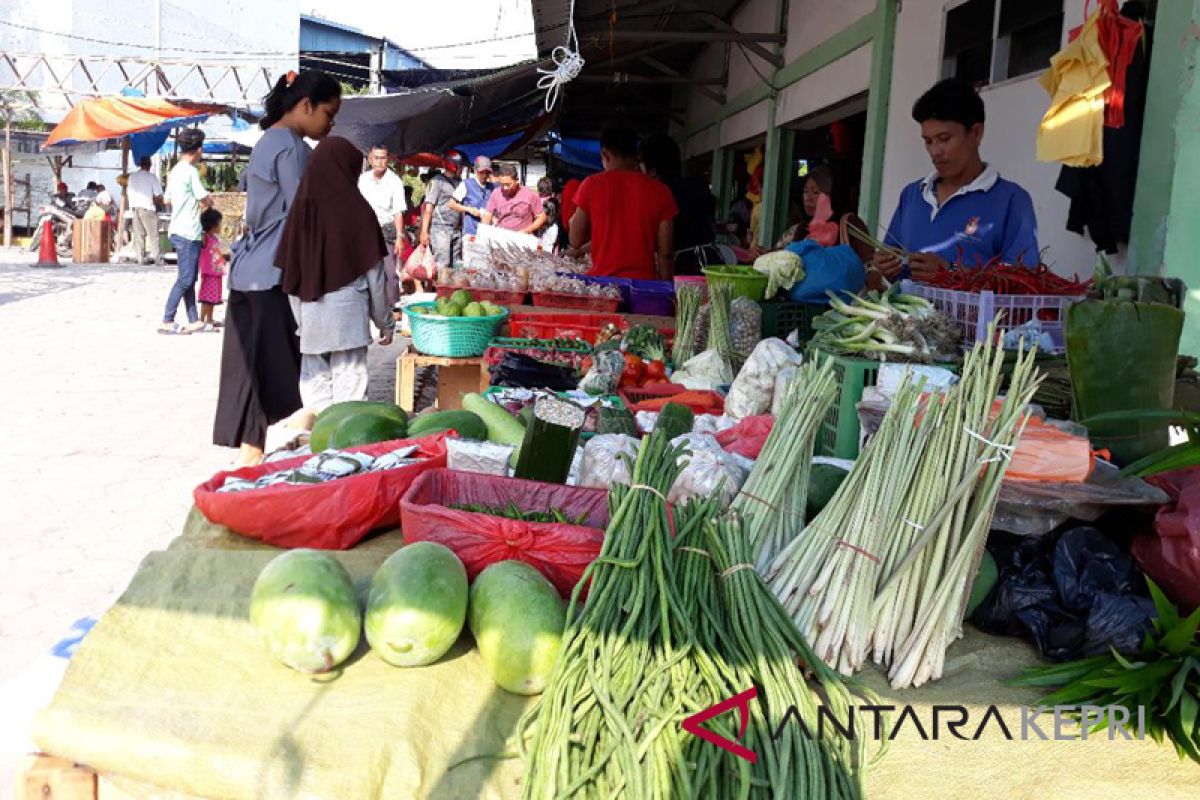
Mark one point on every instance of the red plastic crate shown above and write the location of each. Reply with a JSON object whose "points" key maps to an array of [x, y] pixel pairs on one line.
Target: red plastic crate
{"points": [[528, 325], [583, 302], [497, 296], [637, 394]]}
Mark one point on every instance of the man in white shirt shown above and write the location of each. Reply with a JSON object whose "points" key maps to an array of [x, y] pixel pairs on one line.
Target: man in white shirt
{"points": [[384, 190], [145, 195], [187, 197]]}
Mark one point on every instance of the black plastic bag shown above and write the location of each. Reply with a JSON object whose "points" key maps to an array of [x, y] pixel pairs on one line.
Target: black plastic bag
{"points": [[1071, 596], [522, 372]]}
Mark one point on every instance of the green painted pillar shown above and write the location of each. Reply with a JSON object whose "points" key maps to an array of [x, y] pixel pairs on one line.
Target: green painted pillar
{"points": [[882, 52], [787, 166], [1182, 240], [722, 176], [772, 170], [1172, 68]]}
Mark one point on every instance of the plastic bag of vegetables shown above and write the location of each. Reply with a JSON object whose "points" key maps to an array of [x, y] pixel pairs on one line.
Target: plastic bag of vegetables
{"points": [[709, 370], [603, 464], [605, 373], [708, 469], [754, 386]]}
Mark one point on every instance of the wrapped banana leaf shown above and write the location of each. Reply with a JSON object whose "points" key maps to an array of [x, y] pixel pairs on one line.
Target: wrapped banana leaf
{"points": [[1122, 358]]}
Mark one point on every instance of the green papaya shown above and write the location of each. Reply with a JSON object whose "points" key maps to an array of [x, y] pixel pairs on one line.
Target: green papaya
{"points": [[305, 610], [329, 419], [368, 428], [468, 425]]}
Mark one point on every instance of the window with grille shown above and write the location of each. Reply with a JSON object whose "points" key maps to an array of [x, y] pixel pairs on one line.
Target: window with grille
{"points": [[986, 41]]}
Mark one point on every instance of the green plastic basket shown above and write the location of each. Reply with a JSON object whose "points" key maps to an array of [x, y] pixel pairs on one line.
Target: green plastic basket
{"points": [[838, 436], [781, 317], [452, 337], [741, 284]]}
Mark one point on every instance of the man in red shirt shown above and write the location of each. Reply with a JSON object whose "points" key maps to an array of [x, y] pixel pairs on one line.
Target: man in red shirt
{"points": [[628, 216], [514, 207]]}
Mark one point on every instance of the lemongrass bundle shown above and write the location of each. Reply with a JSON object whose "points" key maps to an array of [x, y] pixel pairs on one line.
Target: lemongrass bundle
{"points": [[884, 570], [773, 499], [720, 298]]}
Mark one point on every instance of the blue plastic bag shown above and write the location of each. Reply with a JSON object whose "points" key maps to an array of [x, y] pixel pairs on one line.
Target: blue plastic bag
{"points": [[834, 269]]}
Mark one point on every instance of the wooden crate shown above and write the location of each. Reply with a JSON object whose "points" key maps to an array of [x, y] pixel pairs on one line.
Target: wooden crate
{"points": [[456, 377], [91, 241], [44, 777]]}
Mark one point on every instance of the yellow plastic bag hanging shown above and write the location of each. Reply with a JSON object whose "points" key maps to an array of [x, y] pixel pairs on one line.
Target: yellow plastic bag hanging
{"points": [[1072, 129]]}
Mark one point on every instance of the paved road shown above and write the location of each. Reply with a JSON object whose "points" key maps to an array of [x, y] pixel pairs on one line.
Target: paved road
{"points": [[106, 428]]}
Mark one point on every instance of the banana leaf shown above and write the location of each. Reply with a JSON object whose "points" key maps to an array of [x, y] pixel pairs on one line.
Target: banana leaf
{"points": [[1122, 358]]}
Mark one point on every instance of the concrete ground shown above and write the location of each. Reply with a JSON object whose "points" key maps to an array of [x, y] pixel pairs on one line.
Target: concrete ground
{"points": [[106, 430]]}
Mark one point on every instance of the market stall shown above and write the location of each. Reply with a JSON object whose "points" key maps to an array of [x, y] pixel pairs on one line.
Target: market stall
{"points": [[644, 501]]}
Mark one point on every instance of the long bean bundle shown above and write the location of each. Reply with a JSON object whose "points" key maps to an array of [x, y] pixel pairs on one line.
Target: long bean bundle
{"points": [[607, 723], [687, 314], [774, 497], [720, 298], [675, 622], [884, 570]]}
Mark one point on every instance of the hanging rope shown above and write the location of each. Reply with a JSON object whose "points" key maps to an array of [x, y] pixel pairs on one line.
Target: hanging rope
{"points": [[567, 65]]}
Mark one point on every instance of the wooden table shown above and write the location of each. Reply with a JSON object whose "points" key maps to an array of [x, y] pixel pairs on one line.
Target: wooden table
{"points": [[456, 377]]}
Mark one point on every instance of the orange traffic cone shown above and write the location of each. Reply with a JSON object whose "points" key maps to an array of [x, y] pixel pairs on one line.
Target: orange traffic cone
{"points": [[47, 250]]}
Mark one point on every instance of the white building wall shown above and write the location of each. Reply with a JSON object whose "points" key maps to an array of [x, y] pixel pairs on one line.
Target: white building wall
{"points": [[755, 16], [1014, 110], [848, 76], [811, 22]]}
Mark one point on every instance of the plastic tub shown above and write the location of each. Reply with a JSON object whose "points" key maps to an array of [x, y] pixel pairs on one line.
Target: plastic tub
{"points": [[583, 302], [742, 284], [653, 298], [528, 325], [500, 297]]}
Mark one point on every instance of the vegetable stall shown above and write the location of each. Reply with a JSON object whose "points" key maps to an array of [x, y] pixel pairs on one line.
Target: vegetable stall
{"points": [[819, 511]]}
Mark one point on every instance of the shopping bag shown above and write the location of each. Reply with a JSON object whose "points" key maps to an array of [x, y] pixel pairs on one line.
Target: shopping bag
{"points": [[334, 515], [421, 265]]}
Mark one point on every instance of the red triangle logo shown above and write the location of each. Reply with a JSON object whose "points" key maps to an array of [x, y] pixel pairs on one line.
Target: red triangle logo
{"points": [[741, 702]]}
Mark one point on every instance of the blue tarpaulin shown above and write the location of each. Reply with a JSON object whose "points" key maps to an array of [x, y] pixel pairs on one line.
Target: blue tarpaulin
{"points": [[582, 154], [493, 148]]}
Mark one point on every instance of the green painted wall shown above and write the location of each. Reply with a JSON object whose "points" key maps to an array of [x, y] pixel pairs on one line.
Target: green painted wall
{"points": [[1182, 243], [1172, 65]]}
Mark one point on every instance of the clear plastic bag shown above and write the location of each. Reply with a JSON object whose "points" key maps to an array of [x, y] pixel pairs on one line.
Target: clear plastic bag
{"points": [[708, 469], [602, 464], [754, 387]]}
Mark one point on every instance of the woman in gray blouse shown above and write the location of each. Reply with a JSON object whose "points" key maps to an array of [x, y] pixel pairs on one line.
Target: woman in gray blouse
{"points": [[260, 359]]}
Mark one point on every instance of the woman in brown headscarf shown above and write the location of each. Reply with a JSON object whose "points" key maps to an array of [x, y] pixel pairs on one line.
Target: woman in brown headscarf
{"points": [[332, 257]]}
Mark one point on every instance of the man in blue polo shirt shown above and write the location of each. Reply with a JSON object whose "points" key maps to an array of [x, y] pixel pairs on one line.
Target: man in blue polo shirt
{"points": [[963, 212]]}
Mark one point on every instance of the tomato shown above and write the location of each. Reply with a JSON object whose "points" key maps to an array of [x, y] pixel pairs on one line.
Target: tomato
{"points": [[632, 374], [655, 370]]}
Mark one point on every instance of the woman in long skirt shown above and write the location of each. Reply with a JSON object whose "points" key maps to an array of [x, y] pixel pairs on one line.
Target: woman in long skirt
{"points": [[260, 359]]}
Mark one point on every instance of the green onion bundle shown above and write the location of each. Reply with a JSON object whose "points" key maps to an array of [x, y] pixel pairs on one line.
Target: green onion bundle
{"points": [[775, 494], [687, 311], [887, 326], [885, 570]]}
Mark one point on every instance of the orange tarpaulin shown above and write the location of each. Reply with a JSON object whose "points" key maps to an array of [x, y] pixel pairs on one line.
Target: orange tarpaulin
{"points": [[113, 117]]}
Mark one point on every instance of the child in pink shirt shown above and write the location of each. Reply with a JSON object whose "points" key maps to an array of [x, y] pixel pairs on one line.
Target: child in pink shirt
{"points": [[212, 267]]}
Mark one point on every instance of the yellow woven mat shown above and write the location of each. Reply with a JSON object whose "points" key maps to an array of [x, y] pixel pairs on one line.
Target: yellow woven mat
{"points": [[172, 688]]}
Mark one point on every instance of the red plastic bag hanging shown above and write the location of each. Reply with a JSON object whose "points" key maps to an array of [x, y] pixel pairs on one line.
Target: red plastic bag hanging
{"points": [[334, 515], [559, 551], [1119, 39], [748, 437], [1171, 555]]}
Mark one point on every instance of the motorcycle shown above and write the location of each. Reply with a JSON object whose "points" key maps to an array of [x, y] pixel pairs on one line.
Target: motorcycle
{"points": [[61, 214]]}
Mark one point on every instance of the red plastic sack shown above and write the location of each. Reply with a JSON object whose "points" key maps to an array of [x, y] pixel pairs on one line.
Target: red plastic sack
{"points": [[560, 552], [1171, 555], [748, 437], [327, 516]]}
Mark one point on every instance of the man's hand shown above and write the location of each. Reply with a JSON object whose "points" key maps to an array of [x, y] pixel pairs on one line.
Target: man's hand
{"points": [[425, 238], [887, 263], [385, 337], [925, 265]]}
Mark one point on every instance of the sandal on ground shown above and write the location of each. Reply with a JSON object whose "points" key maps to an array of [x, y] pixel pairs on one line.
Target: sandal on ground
{"points": [[171, 329], [193, 327]]}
